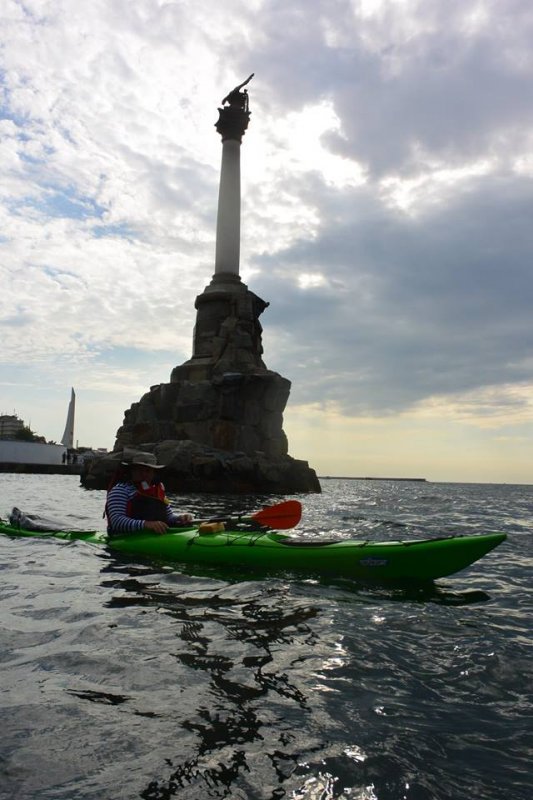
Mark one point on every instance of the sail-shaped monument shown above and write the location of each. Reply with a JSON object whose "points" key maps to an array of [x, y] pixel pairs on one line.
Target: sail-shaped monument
{"points": [[68, 436]]}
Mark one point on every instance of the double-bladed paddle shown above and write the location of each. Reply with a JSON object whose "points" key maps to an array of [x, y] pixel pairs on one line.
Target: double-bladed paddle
{"points": [[280, 517]]}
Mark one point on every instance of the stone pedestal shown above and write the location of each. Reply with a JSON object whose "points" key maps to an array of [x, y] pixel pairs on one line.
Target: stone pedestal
{"points": [[227, 334]]}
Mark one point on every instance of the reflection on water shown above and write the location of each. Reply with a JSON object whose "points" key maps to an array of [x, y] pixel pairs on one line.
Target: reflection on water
{"points": [[234, 648]]}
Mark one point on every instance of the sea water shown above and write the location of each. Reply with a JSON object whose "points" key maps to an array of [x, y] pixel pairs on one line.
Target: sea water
{"points": [[124, 679]]}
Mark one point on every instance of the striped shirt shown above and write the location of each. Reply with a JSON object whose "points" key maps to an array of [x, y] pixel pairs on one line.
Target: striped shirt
{"points": [[117, 511]]}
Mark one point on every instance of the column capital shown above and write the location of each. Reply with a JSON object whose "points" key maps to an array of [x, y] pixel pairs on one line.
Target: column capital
{"points": [[232, 122]]}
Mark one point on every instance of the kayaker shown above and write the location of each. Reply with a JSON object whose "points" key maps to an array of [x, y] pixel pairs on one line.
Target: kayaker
{"points": [[137, 498]]}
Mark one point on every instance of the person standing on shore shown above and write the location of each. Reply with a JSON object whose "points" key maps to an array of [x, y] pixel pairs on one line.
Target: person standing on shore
{"points": [[137, 501]]}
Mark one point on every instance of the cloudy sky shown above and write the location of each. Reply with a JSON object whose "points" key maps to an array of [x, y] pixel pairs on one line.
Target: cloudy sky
{"points": [[387, 217]]}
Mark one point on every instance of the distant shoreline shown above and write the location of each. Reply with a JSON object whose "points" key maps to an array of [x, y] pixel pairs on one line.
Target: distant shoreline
{"points": [[367, 478], [75, 469]]}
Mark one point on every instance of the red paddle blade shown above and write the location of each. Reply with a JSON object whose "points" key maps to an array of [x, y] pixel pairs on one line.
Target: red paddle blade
{"points": [[281, 516]]}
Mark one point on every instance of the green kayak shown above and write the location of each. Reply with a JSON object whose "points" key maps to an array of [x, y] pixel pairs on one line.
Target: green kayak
{"points": [[269, 551]]}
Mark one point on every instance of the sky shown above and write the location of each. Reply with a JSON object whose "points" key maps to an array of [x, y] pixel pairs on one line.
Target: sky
{"points": [[387, 217]]}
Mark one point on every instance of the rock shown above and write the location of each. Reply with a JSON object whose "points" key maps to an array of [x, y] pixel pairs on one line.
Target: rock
{"points": [[218, 424], [194, 468]]}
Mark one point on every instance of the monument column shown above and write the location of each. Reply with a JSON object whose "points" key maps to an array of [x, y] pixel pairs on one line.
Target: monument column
{"points": [[227, 334], [232, 123], [229, 210]]}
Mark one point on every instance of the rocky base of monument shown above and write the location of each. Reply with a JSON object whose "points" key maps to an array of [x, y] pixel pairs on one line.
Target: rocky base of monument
{"points": [[233, 412], [217, 425], [195, 468]]}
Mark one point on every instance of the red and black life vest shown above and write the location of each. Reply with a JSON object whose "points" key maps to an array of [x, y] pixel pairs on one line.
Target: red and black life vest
{"points": [[148, 502]]}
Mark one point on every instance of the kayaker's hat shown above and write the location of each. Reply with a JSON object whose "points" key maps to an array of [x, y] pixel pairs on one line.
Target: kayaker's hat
{"points": [[138, 458]]}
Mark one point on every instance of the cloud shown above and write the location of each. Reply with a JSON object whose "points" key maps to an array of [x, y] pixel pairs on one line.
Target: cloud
{"points": [[408, 307], [387, 194]]}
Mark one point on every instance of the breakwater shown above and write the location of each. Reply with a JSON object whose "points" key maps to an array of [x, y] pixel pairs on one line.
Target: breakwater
{"points": [[40, 469]]}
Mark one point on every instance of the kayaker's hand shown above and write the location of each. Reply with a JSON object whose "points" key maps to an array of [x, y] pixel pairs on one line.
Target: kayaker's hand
{"points": [[185, 519], [156, 526]]}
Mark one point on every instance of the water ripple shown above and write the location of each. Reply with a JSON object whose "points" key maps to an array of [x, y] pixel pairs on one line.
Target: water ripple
{"points": [[124, 679]]}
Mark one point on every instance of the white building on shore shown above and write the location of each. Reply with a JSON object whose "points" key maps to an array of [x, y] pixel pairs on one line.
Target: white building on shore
{"points": [[17, 450], [13, 451]]}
